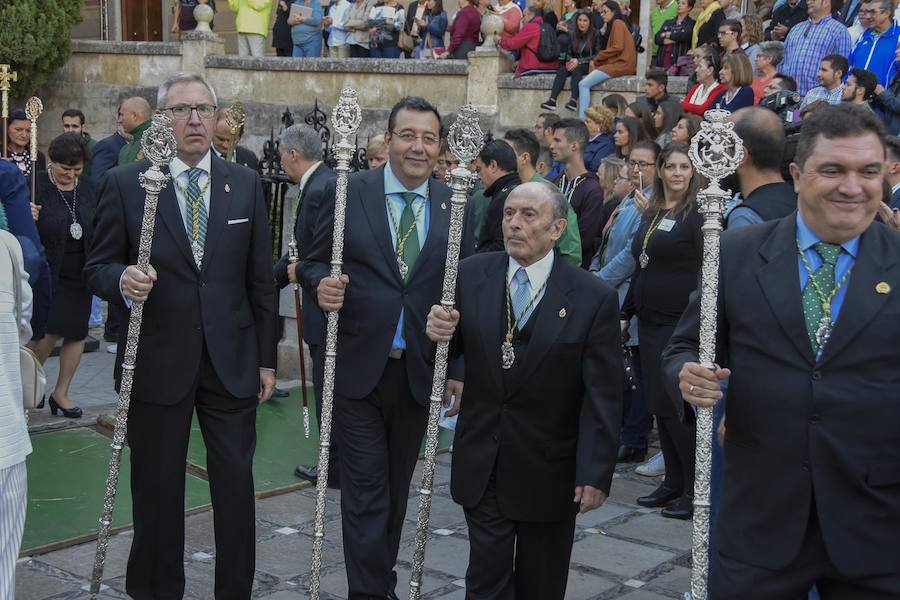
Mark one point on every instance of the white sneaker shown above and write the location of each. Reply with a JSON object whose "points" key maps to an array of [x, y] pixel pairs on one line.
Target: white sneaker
{"points": [[112, 348], [652, 468]]}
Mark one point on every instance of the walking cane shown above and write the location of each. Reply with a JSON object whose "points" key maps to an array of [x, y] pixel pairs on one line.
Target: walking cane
{"points": [[6, 77], [235, 119], [33, 109], [465, 140], [158, 144], [716, 151], [294, 258], [346, 118]]}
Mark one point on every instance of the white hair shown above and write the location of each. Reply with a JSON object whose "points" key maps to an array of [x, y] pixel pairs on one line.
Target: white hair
{"points": [[163, 91]]}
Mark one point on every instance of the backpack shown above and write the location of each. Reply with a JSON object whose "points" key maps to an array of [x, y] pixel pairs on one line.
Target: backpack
{"points": [[548, 44]]}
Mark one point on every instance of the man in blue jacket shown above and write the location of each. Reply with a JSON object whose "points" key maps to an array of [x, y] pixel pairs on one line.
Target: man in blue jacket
{"points": [[875, 49]]}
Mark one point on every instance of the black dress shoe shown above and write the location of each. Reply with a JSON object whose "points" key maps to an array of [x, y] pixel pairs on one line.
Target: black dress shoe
{"points": [[307, 473], [683, 509], [279, 393], [631, 455], [392, 595], [660, 497], [69, 413]]}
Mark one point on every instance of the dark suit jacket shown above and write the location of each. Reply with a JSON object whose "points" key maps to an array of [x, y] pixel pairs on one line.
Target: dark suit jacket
{"points": [[228, 306], [310, 201], [376, 293], [798, 429], [105, 155], [895, 200], [559, 423]]}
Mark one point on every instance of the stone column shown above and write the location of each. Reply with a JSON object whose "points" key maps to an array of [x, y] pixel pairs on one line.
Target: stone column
{"points": [[485, 68], [643, 59], [196, 46]]}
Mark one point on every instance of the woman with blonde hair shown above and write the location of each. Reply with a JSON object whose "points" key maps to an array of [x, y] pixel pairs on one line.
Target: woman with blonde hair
{"points": [[736, 75], [751, 36], [599, 122]]}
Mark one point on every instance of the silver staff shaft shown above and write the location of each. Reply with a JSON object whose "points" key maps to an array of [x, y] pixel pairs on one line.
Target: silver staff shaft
{"points": [[716, 151], [465, 140], [158, 144], [346, 119]]}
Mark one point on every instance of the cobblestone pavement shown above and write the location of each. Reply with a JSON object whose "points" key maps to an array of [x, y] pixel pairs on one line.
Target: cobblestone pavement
{"points": [[621, 551]]}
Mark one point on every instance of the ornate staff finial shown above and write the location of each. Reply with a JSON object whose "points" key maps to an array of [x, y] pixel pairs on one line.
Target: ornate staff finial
{"points": [[33, 108], [716, 149], [347, 115], [158, 142], [235, 117], [466, 138], [6, 77]]}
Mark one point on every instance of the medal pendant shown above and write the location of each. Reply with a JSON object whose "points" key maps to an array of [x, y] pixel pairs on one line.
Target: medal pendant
{"points": [[823, 331], [404, 268], [508, 355], [75, 230], [197, 251], [644, 259]]}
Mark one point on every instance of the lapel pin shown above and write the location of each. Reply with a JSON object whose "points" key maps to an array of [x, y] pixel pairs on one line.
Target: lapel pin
{"points": [[227, 188], [562, 313], [883, 287], [443, 206]]}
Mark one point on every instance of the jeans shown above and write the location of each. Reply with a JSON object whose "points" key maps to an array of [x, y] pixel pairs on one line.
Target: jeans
{"points": [[584, 89], [385, 52], [310, 49], [560, 81]]}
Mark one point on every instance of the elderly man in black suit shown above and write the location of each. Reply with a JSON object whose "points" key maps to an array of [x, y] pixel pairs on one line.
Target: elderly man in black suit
{"points": [[809, 318], [301, 158], [543, 402], [222, 139], [395, 248], [207, 342]]}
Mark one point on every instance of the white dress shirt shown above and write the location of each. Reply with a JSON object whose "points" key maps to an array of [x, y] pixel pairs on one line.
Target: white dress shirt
{"points": [[538, 273]]}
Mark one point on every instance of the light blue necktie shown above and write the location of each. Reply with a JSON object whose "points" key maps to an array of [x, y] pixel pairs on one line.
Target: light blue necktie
{"points": [[522, 297]]}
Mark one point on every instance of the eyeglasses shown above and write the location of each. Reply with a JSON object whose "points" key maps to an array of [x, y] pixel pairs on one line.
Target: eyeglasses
{"points": [[182, 112], [639, 164], [408, 137]]}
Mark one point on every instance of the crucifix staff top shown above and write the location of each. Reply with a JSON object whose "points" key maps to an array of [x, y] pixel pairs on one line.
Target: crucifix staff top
{"points": [[6, 77]]}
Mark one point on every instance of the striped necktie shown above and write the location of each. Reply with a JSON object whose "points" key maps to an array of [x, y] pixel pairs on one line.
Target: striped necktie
{"points": [[196, 214]]}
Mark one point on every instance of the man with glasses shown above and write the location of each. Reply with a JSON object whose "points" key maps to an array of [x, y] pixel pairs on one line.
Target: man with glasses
{"points": [[730, 36], [876, 48], [811, 41], [395, 249], [207, 344], [614, 264]]}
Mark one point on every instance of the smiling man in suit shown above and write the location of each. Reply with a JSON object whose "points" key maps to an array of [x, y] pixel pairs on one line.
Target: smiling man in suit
{"points": [[537, 435], [207, 342], [809, 318], [395, 249], [301, 158]]}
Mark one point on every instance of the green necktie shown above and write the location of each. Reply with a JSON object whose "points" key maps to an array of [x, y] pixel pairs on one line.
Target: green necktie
{"points": [[813, 311], [197, 217], [408, 230]]}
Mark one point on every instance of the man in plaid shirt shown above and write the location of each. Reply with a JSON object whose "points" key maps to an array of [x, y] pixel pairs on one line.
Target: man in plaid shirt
{"points": [[811, 41]]}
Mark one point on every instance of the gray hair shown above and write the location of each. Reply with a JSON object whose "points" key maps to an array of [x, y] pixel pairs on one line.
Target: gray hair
{"points": [[304, 139], [177, 78], [885, 5], [773, 49]]}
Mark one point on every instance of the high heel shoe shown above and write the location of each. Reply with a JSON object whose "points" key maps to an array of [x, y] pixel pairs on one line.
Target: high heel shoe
{"points": [[41, 403], [69, 413]]}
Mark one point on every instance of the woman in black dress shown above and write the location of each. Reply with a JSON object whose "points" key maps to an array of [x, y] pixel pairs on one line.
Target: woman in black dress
{"points": [[668, 251], [67, 201]]}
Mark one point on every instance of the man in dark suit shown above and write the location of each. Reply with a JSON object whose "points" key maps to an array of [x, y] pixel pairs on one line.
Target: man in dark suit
{"points": [[892, 167], [808, 327], [395, 248], [207, 342], [105, 155], [301, 158], [222, 138], [540, 421]]}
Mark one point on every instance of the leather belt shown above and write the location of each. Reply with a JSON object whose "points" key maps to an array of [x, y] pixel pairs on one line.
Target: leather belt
{"points": [[396, 353]]}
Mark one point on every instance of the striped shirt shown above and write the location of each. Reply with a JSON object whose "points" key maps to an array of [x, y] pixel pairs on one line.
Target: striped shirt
{"points": [[807, 44]]}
